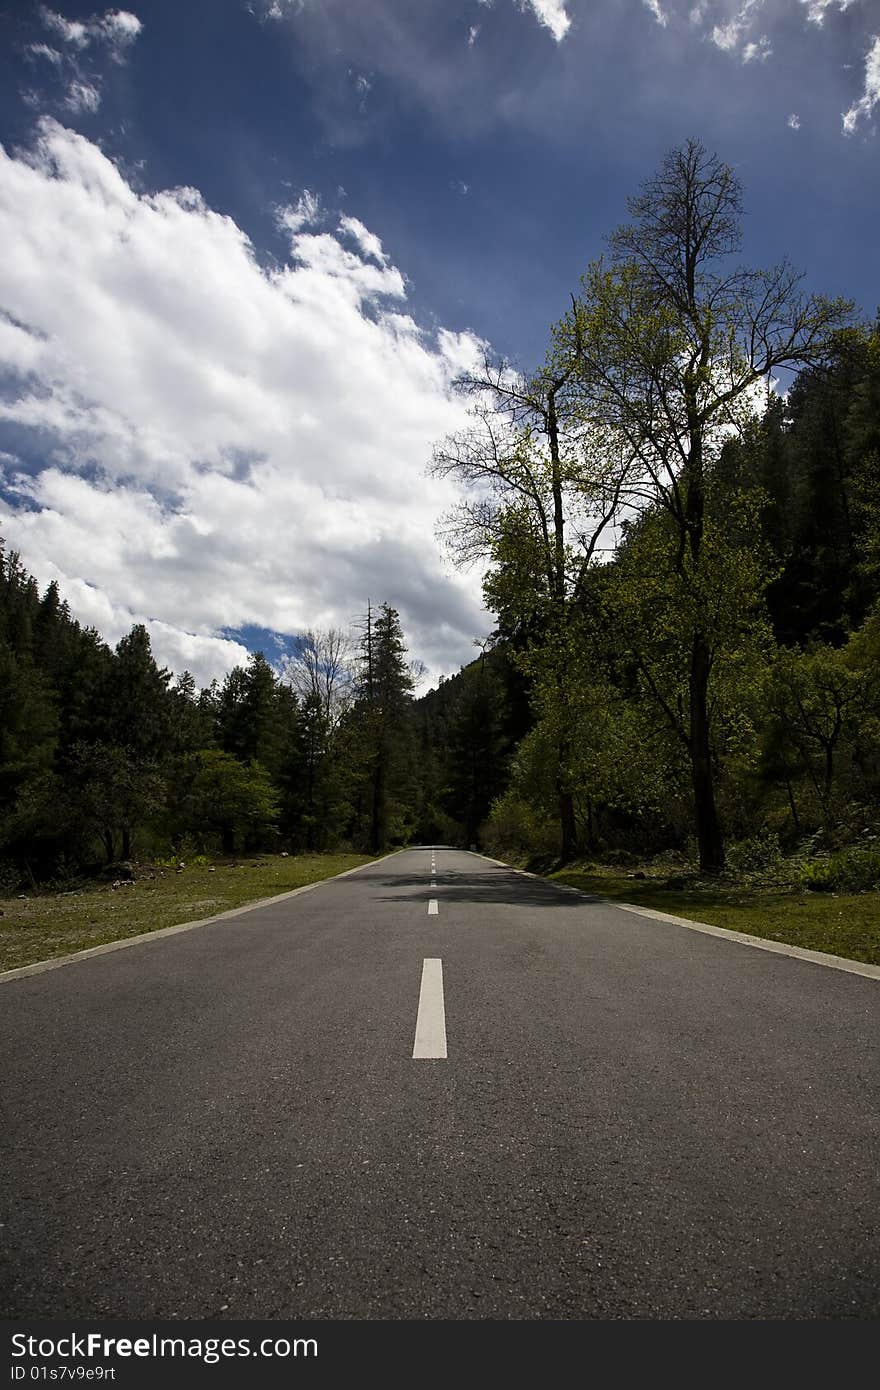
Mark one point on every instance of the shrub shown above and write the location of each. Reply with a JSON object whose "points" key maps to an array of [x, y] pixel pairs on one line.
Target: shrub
{"points": [[754, 854], [851, 870], [820, 876]]}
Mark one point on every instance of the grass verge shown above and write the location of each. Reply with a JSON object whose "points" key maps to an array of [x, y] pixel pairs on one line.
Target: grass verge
{"points": [[845, 924], [46, 925]]}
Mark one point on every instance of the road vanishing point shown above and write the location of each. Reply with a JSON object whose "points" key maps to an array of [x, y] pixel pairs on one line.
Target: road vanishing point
{"points": [[486, 1098]]}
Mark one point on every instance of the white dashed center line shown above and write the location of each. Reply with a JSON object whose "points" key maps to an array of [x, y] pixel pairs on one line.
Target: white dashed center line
{"points": [[433, 910], [431, 1021]]}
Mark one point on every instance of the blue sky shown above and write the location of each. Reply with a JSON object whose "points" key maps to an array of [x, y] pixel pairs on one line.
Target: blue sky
{"points": [[251, 242]]}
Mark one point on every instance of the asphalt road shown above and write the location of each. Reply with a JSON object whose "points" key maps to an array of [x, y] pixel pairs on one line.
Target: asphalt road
{"points": [[632, 1120]]}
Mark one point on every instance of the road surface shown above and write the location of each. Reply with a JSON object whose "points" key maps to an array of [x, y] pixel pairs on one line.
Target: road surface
{"points": [[488, 1098]]}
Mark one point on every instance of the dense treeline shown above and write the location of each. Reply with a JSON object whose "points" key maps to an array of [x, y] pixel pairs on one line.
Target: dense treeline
{"points": [[103, 756], [684, 565]]}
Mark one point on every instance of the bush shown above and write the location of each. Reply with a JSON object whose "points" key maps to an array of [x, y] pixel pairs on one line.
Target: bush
{"points": [[10, 878], [515, 830], [851, 870], [819, 876], [754, 854]]}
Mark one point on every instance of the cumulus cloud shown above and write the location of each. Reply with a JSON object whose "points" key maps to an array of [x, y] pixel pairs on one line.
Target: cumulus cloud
{"points": [[870, 98], [306, 213], [794, 121], [367, 241], [215, 444]]}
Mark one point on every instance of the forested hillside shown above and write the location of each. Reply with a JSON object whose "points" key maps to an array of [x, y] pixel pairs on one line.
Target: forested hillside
{"points": [[680, 515]]}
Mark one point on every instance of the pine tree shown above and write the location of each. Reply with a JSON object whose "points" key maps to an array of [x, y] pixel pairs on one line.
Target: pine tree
{"points": [[382, 718]]}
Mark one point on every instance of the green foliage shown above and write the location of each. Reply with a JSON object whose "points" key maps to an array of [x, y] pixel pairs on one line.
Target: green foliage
{"points": [[236, 802], [377, 731], [755, 854], [851, 871], [515, 830]]}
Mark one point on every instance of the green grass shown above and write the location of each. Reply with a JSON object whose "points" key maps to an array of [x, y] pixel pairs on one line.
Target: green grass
{"points": [[44, 925], [847, 924]]}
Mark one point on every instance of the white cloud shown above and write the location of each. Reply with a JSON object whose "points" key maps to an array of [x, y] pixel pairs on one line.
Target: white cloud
{"points": [[473, 34], [727, 36], [43, 50], [116, 28], [71, 31], [219, 444], [658, 12], [757, 50], [307, 212], [120, 26], [82, 96], [109, 35], [733, 35], [550, 13], [794, 121], [279, 9], [816, 9], [734, 25], [870, 98], [369, 243]]}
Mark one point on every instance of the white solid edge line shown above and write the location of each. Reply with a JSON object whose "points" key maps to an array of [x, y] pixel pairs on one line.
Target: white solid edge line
{"points": [[38, 967], [430, 1038], [433, 909], [760, 943]]}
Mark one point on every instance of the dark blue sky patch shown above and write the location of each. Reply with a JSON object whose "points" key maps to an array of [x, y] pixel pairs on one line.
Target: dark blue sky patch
{"points": [[273, 645]]}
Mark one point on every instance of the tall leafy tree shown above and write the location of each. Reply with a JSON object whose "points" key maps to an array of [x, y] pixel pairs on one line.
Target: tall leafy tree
{"points": [[672, 339], [540, 496]]}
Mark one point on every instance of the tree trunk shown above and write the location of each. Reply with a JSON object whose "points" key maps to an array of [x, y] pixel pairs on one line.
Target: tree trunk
{"points": [[310, 803], [709, 839], [377, 835], [126, 842], [568, 825]]}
